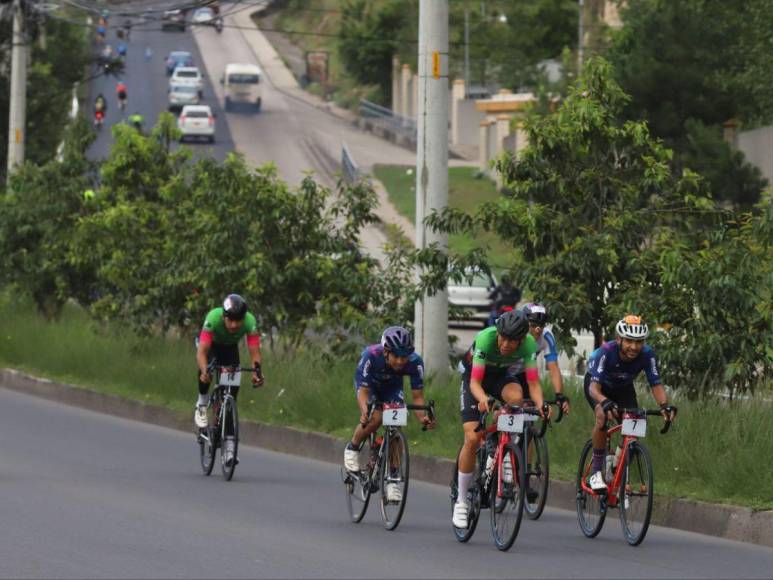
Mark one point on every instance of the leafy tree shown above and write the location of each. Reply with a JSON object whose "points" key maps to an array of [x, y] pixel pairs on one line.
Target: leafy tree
{"points": [[714, 293], [39, 211], [370, 34], [688, 63], [587, 195], [53, 71]]}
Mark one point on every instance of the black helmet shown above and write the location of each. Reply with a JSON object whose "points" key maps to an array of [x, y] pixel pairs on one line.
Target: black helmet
{"points": [[397, 340], [234, 307], [536, 313], [513, 324]]}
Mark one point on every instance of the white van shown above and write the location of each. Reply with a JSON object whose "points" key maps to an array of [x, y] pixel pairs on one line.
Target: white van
{"points": [[241, 84]]}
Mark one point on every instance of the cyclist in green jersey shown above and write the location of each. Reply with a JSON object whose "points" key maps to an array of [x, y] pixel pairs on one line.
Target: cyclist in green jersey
{"points": [[219, 340], [488, 371]]}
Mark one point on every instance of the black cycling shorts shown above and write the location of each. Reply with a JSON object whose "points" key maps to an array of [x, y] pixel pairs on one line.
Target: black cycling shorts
{"points": [[226, 355], [623, 396], [493, 384]]}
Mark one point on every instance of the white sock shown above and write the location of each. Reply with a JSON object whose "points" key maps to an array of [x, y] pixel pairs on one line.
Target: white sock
{"points": [[203, 400], [464, 480]]}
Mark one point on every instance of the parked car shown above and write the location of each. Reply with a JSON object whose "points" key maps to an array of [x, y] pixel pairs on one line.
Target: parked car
{"points": [[181, 95], [197, 121], [204, 16], [473, 295], [241, 84], [188, 75], [177, 58], [173, 19]]}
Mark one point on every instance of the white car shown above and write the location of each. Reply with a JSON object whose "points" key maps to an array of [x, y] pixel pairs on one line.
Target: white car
{"points": [[474, 295], [196, 121], [204, 16], [188, 75], [181, 95]]}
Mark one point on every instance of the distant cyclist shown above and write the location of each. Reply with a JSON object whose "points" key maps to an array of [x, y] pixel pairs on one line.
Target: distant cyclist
{"points": [[219, 340], [122, 50], [136, 120], [612, 369], [122, 93], [504, 297], [379, 379]]}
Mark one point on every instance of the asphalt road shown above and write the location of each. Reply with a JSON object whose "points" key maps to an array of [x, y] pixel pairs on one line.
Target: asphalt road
{"points": [[88, 495]]}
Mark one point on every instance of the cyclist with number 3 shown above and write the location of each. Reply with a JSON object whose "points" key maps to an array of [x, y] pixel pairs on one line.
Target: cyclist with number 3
{"points": [[612, 369], [489, 371], [219, 340], [379, 379]]}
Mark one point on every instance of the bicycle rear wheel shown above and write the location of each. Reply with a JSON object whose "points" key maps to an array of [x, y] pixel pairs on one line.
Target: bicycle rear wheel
{"points": [[395, 473], [591, 509], [207, 449], [636, 490], [357, 487], [537, 476], [230, 436], [506, 498]]}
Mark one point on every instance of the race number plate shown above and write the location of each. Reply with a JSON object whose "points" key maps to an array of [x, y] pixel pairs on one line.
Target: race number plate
{"points": [[232, 379], [395, 415], [635, 426], [511, 423]]}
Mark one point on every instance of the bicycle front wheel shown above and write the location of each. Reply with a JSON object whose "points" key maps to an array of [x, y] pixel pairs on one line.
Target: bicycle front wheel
{"points": [[394, 480], [537, 476], [229, 441], [357, 487], [207, 449], [506, 498], [636, 493], [591, 509], [473, 497]]}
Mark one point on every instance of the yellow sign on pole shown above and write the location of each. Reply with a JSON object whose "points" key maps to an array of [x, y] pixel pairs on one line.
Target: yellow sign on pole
{"points": [[18, 136], [436, 64]]}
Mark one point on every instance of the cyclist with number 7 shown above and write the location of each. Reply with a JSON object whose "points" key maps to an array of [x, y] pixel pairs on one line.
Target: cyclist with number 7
{"points": [[612, 369], [489, 371], [379, 379], [219, 340]]}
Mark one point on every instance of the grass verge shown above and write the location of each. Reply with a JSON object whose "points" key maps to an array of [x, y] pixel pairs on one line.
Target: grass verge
{"points": [[717, 452], [466, 191]]}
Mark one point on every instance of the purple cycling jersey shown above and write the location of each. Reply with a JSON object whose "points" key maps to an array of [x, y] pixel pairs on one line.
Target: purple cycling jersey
{"points": [[606, 368], [385, 383]]}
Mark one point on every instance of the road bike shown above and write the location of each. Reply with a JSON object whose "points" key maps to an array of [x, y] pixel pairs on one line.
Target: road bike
{"points": [[631, 486], [386, 463], [223, 429], [499, 475]]}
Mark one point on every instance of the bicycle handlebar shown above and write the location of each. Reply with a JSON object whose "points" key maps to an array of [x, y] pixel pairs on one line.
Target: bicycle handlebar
{"points": [[654, 413], [494, 406], [212, 366], [429, 408]]}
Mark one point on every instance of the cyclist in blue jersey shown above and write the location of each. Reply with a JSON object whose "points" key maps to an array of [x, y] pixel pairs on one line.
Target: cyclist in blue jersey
{"points": [[612, 369], [379, 379], [537, 316]]}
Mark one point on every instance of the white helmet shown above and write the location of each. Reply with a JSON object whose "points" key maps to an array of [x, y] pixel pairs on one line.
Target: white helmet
{"points": [[632, 327]]}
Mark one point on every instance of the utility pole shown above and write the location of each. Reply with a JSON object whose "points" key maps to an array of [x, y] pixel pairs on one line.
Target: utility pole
{"points": [[18, 108], [580, 33], [432, 171]]}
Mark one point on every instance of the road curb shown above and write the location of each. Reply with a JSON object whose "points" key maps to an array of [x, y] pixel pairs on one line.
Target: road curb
{"points": [[728, 522]]}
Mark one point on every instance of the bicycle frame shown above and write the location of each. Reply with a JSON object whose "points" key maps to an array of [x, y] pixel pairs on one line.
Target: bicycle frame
{"points": [[611, 493]]}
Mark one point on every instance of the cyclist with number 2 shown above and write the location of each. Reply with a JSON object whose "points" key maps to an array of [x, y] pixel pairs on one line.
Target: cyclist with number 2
{"points": [[379, 379], [612, 369], [219, 340], [489, 371]]}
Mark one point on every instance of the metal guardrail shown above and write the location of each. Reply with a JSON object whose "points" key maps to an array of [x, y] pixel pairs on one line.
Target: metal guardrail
{"points": [[349, 165], [389, 120]]}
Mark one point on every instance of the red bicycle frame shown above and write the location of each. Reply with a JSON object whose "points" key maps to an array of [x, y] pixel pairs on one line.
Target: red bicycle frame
{"points": [[499, 454]]}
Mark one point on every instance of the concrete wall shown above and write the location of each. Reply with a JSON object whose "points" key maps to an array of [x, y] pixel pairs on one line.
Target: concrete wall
{"points": [[467, 122], [757, 145]]}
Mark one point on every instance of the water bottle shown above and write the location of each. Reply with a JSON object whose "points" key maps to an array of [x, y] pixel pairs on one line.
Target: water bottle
{"points": [[489, 465], [610, 468]]}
